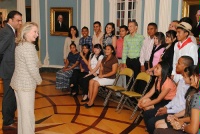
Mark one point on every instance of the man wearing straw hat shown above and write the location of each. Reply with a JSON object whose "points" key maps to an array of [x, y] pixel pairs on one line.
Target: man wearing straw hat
{"points": [[184, 46]]}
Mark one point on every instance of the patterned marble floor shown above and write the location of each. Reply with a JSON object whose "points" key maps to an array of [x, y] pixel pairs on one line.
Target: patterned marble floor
{"points": [[56, 112]]}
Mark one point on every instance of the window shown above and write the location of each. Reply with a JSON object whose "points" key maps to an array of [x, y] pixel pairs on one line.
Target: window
{"points": [[126, 11]]}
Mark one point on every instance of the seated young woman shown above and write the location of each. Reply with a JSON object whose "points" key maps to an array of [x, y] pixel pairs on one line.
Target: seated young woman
{"points": [[188, 96], [189, 123], [163, 90], [107, 74], [72, 62], [83, 71], [93, 66]]}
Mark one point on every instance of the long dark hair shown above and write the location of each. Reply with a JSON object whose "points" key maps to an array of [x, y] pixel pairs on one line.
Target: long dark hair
{"points": [[164, 73], [101, 52], [171, 34], [191, 70], [75, 28], [88, 54], [197, 74], [161, 37], [73, 44], [113, 26], [113, 49]]}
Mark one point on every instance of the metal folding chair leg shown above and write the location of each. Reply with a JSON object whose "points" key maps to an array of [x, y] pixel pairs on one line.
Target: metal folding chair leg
{"points": [[137, 118], [119, 104], [107, 98], [134, 111], [123, 104]]}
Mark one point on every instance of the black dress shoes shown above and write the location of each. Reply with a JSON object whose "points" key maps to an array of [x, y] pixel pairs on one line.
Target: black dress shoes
{"points": [[10, 127], [87, 106]]}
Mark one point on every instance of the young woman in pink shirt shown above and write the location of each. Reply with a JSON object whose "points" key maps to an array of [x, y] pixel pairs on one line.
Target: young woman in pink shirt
{"points": [[159, 47]]}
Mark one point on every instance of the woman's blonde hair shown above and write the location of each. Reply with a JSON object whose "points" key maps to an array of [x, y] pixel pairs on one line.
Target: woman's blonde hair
{"points": [[21, 37]]}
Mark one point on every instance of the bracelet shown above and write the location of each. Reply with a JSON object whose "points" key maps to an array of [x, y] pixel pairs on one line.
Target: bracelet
{"points": [[183, 126]]}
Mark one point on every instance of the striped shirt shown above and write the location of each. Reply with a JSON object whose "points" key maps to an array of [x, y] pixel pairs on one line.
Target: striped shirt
{"points": [[132, 46]]}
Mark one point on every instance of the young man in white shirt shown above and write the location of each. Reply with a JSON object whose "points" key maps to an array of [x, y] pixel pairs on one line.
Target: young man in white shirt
{"points": [[176, 105], [184, 46], [147, 46], [98, 34]]}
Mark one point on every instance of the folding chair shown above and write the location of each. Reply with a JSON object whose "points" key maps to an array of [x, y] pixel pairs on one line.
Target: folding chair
{"points": [[114, 88], [126, 95]]}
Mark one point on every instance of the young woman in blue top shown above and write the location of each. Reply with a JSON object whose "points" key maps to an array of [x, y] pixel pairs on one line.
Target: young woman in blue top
{"points": [[72, 62]]}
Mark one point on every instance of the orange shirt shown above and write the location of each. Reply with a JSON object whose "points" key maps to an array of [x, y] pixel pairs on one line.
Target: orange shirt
{"points": [[166, 85]]}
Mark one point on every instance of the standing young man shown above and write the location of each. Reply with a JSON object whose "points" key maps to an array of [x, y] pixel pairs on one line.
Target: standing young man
{"points": [[184, 46], [131, 49], [98, 34], [7, 50], [147, 46], [86, 39]]}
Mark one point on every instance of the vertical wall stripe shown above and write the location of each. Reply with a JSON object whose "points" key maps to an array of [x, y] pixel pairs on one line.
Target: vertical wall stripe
{"points": [[149, 14], [21, 9], [85, 13], [112, 11], [138, 15], [77, 14], [164, 15], [179, 9], [46, 60], [98, 11], [35, 13]]}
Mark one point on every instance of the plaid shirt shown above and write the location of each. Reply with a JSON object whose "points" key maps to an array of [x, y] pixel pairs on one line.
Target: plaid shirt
{"points": [[132, 46], [87, 40]]}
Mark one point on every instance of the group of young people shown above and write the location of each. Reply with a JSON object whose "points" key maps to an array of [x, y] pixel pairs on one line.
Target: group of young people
{"points": [[91, 62], [171, 59], [172, 107]]}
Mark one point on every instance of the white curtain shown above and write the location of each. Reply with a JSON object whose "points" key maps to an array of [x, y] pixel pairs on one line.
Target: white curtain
{"points": [[85, 13], [138, 15], [21, 8], [164, 15], [149, 14], [112, 11], [35, 12], [35, 17], [98, 11]]}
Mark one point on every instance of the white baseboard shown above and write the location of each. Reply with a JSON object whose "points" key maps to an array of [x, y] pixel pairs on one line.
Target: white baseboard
{"points": [[52, 66]]}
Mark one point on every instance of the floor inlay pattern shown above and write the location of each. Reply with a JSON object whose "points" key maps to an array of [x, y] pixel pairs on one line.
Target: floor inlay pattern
{"points": [[56, 112]]}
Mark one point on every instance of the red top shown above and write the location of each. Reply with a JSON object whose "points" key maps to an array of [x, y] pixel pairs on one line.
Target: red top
{"points": [[119, 48]]}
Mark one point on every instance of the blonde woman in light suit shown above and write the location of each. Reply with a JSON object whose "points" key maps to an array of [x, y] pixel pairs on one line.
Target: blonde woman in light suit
{"points": [[26, 77]]}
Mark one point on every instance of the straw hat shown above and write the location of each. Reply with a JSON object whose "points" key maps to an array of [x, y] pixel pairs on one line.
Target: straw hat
{"points": [[185, 26]]}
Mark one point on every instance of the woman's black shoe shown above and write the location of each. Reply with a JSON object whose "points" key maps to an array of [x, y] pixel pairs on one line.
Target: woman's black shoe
{"points": [[87, 106], [85, 100]]}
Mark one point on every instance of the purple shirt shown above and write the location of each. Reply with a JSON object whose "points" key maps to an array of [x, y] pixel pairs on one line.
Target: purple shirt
{"points": [[84, 66]]}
